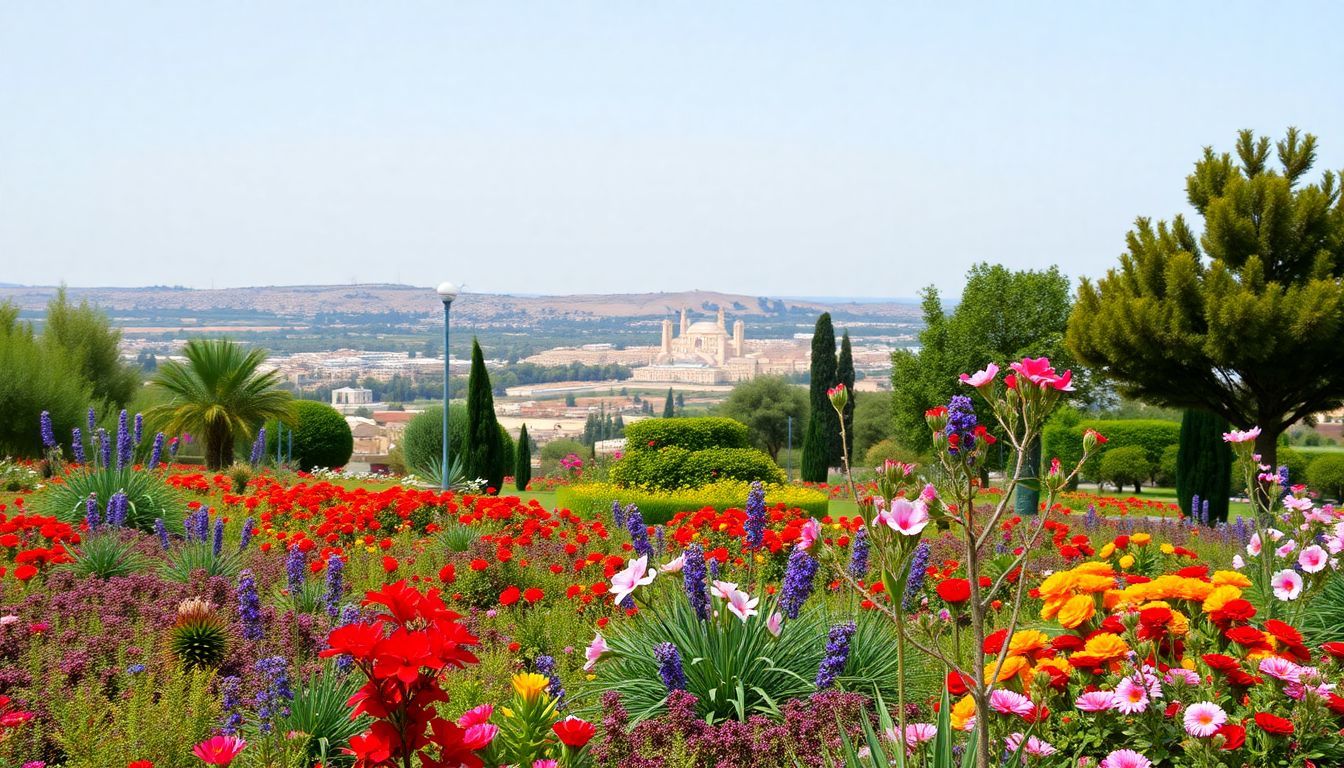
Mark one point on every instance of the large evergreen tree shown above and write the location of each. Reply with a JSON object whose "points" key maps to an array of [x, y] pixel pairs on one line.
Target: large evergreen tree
{"points": [[522, 470], [844, 374], [1244, 319], [1204, 463], [86, 336], [822, 439], [484, 458], [669, 408]]}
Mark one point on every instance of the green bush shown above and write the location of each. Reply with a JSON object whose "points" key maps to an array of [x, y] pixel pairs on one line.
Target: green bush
{"points": [[1066, 442], [1126, 465], [1166, 465], [888, 450], [673, 467], [693, 434], [322, 437], [149, 497], [1326, 474], [659, 506], [422, 442], [1296, 462]]}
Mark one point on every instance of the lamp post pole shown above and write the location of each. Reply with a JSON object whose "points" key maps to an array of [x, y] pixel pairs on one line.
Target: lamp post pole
{"points": [[447, 292]]}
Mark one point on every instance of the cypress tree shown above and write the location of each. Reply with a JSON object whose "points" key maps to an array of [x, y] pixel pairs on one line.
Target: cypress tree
{"points": [[822, 439], [669, 410], [483, 457], [1204, 463], [844, 373], [522, 468]]}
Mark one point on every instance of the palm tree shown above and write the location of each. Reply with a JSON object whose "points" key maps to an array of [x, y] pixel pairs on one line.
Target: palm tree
{"points": [[217, 396]]}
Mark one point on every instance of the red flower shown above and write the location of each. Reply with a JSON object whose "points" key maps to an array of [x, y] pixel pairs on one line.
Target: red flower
{"points": [[1233, 736], [390, 564], [532, 594], [509, 596], [357, 640], [1273, 724], [140, 764], [954, 591], [957, 684], [574, 732], [25, 572], [448, 574], [1335, 648], [479, 565]]}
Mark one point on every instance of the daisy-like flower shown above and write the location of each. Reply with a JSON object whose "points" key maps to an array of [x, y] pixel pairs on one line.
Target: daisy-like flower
{"points": [[1287, 584], [1238, 436], [1187, 676], [1131, 697], [1203, 718], [1097, 701], [1281, 669], [915, 734], [1126, 758], [1033, 746], [1007, 702]]}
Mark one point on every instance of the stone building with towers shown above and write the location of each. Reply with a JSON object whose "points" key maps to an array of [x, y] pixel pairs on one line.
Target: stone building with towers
{"points": [[704, 352]]}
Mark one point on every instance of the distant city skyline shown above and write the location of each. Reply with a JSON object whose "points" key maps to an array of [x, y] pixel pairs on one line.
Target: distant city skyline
{"points": [[773, 149]]}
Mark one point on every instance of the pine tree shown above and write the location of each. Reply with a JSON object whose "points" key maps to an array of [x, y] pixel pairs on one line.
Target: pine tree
{"points": [[669, 409], [844, 373], [1204, 464], [522, 467], [822, 439], [483, 456]]}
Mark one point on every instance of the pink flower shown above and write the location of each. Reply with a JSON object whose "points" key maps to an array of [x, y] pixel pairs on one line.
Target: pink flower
{"points": [[675, 565], [1281, 669], [1096, 701], [1286, 548], [905, 517], [1313, 559], [1131, 697], [918, 733], [480, 735], [808, 534], [1203, 718], [219, 750], [1187, 676], [1254, 546], [1033, 746], [981, 378], [1126, 758], [1039, 372], [476, 716], [1007, 702], [775, 624], [547, 763], [740, 604], [1287, 584], [595, 651], [635, 575], [1238, 436]]}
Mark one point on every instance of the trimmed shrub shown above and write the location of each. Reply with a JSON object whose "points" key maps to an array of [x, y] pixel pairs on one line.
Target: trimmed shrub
{"points": [[674, 467], [1066, 442], [1296, 462], [322, 438], [658, 507], [1166, 465], [888, 450], [693, 434], [1127, 465], [1326, 474], [422, 442]]}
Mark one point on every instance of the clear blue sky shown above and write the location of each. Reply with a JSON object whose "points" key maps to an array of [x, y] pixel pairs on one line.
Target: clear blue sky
{"points": [[574, 147]]}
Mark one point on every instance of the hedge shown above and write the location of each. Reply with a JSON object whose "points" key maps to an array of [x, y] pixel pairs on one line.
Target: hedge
{"points": [[322, 438], [593, 499], [673, 467], [1066, 442], [693, 434]]}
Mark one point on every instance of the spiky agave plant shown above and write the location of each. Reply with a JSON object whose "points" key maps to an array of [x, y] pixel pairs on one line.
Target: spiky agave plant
{"points": [[200, 636]]}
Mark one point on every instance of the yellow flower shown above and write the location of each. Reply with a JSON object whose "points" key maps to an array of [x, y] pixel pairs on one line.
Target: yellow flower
{"points": [[1027, 641], [1167, 549], [1231, 578], [1187, 663], [1141, 539], [760, 559], [1061, 665], [529, 685], [1077, 610], [1095, 582], [1127, 562], [1106, 551], [1012, 667], [962, 712], [1220, 596], [1057, 584], [1106, 646], [507, 712], [1094, 568]]}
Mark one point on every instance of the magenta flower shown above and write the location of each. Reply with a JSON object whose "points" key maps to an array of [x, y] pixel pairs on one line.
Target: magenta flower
{"points": [[1039, 372], [1203, 718], [1313, 559], [1126, 758], [1096, 701], [1287, 584], [1131, 697], [808, 534], [1007, 702], [1240, 436], [595, 651]]}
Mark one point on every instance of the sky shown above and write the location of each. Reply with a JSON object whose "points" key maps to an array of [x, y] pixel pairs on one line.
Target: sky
{"points": [[769, 148]]}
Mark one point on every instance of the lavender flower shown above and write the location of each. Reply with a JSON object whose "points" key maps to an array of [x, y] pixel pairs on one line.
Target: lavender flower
{"points": [[156, 453], [117, 507], [93, 420], [258, 446], [799, 578], [77, 445], [1092, 520], [914, 580], [172, 449], [858, 554], [249, 606], [218, 545], [249, 525], [961, 422], [91, 512], [294, 568], [335, 587], [837, 654], [713, 569], [104, 447], [639, 533], [755, 525], [669, 666], [139, 430], [274, 697], [124, 448], [1194, 506], [48, 437], [659, 538], [618, 513], [693, 579], [162, 531], [230, 689], [546, 666]]}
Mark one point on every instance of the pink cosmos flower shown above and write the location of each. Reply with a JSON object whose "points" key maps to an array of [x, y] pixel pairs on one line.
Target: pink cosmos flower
{"points": [[808, 534], [1281, 669], [905, 517], [1203, 718], [1286, 548], [1297, 503], [775, 624], [480, 735], [476, 716], [1126, 758], [1033, 746], [1096, 701], [635, 575], [1313, 559], [1287, 584], [1239, 436], [1007, 702], [545, 763], [740, 604], [981, 378], [675, 565], [595, 651], [1131, 697]]}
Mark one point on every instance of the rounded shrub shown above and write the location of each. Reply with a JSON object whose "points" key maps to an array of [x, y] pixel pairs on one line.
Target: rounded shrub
{"points": [[1127, 465], [1065, 441], [888, 450], [1326, 475], [658, 507], [322, 438], [693, 434], [422, 442], [674, 467]]}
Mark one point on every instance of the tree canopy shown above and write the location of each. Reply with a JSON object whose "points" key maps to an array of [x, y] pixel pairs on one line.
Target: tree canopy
{"points": [[1244, 319], [765, 405]]}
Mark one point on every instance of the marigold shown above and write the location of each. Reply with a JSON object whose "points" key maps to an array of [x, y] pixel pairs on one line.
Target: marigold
{"points": [[1077, 610], [1106, 646], [1057, 585], [1167, 549], [1221, 596], [1013, 666], [529, 685], [1095, 568], [1141, 539], [1027, 641], [1127, 562], [963, 712], [1231, 578]]}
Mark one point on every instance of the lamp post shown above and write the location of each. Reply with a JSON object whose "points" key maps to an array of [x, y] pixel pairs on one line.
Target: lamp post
{"points": [[447, 292]]}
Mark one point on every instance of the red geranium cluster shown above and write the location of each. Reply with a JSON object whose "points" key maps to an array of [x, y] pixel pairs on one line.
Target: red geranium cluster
{"points": [[402, 652]]}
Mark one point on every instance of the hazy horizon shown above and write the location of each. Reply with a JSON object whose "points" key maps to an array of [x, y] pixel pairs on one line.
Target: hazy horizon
{"points": [[769, 149]]}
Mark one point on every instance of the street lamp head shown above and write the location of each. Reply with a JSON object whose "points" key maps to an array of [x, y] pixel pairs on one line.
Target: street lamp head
{"points": [[448, 291]]}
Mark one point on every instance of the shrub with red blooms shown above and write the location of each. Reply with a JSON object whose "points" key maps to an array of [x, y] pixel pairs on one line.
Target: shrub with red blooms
{"points": [[402, 652]]}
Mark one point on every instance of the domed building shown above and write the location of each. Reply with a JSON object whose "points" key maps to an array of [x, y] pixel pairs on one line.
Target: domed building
{"points": [[703, 352]]}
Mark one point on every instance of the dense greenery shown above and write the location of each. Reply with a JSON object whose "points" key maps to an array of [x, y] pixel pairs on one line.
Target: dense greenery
{"points": [[1326, 474], [1125, 465], [1063, 441], [872, 423], [1243, 319], [672, 467], [322, 438], [821, 439], [84, 335], [693, 434], [422, 442], [1204, 463], [522, 466], [766, 404], [485, 451], [658, 507], [50, 381]]}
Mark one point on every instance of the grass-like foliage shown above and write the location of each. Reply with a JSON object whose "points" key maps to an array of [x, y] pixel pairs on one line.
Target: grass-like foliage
{"points": [[104, 555], [1322, 618], [149, 497], [319, 710], [457, 538], [187, 558]]}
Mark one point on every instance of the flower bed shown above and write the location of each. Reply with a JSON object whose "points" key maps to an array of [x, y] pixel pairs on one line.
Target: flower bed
{"points": [[661, 506]]}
